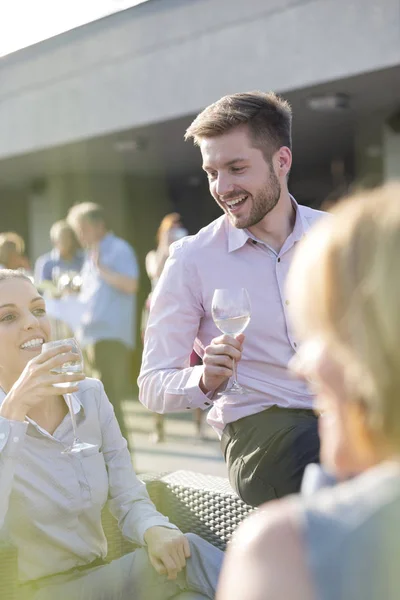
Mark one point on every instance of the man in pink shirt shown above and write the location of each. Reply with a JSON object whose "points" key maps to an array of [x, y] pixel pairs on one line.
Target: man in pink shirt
{"points": [[269, 435]]}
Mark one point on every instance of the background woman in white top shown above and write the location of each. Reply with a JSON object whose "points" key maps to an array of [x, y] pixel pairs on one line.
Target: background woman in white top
{"points": [[170, 230]]}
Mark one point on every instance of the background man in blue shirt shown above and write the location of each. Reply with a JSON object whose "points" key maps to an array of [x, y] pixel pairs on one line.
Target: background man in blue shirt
{"points": [[109, 283]]}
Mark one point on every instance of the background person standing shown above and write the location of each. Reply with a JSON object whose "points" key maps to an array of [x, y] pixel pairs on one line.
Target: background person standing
{"points": [[108, 293], [170, 230], [66, 254], [12, 252]]}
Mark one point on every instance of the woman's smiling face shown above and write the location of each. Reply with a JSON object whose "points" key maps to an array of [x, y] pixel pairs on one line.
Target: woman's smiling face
{"points": [[24, 326]]}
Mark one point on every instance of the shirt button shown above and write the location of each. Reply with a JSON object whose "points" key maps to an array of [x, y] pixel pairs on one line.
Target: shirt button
{"points": [[207, 403], [15, 439], [287, 302], [279, 260], [294, 344], [2, 436]]}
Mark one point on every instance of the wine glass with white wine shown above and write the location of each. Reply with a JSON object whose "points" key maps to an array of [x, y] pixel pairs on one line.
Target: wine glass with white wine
{"points": [[70, 368], [231, 311]]}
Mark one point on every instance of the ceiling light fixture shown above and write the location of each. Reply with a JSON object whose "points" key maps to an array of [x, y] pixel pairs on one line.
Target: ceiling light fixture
{"points": [[328, 102], [133, 145]]}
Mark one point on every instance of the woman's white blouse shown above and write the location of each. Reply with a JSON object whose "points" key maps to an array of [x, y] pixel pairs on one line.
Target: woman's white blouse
{"points": [[51, 503]]}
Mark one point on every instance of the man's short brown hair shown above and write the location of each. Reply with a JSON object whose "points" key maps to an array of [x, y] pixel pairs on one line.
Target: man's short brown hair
{"points": [[267, 116]]}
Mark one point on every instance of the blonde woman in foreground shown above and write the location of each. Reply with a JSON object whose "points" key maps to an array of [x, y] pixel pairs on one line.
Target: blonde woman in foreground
{"points": [[343, 542]]}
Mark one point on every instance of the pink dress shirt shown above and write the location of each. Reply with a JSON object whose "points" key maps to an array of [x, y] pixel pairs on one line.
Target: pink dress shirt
{"points": [[221, 256]]}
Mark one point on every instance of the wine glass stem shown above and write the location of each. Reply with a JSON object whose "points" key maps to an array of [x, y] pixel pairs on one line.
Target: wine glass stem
{"points": [[71, 412], [234, 369]]}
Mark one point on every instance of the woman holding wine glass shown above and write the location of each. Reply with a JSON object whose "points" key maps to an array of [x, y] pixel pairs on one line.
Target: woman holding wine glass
{"points": [[55, 484]]}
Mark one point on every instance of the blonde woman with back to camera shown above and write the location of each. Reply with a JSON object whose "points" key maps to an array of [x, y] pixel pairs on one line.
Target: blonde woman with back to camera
{"points": [[341, 543]]}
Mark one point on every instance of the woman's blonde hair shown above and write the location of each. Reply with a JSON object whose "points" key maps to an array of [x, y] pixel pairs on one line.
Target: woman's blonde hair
{"points": [[60, 227], [345, 285], [10, 243]]}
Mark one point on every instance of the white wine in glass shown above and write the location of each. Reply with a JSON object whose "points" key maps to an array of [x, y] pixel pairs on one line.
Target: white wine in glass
{"points": [[232, 325], [70, 368], [231, 312]]}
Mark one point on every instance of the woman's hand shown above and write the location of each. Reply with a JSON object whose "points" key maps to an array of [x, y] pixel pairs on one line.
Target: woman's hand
{"points": [[168, 550], [37, 381]]}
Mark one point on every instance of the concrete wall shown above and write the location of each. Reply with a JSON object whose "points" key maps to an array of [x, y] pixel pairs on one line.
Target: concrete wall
{"points": [[14, 214], [369, 152], [166, 58], [391, 148], [64, 190]]}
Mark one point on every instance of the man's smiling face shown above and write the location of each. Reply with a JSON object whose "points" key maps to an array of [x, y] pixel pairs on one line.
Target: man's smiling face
{"points": [[241, 181]]}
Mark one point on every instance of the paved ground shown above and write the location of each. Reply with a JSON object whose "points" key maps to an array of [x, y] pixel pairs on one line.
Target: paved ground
{"points": [[181, 450]]}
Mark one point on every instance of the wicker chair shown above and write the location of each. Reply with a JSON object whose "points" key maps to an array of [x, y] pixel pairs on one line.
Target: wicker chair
{"points": [[202, 504]]}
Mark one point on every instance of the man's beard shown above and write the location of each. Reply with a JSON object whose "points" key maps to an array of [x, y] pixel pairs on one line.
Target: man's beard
{"points": [[263, 202]]}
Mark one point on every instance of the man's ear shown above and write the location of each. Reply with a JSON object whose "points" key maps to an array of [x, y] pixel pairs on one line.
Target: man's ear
{"points": [[283, 161]]}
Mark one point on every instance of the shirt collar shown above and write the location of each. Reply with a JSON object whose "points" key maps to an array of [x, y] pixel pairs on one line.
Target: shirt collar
{"points": [[301, 225], [238, 237], [76, 405]]}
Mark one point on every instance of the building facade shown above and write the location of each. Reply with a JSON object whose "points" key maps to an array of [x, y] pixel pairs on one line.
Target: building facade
{"points": [[99, 113]]}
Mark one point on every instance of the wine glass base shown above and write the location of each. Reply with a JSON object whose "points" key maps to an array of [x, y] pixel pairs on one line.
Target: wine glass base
{"points": [[78, 447]]}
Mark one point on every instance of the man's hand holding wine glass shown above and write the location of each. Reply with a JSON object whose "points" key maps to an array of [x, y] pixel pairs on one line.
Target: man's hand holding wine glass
{"points": [[218, 361], [231, 312]]}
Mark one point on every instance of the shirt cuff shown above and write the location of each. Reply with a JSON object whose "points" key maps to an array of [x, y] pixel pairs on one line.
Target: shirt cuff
{"points": [[157, 521], [12, 436], [195, 397]]}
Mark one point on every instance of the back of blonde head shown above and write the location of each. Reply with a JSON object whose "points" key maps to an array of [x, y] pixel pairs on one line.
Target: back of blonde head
{"points": [[346, 281], [10, 242]]}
